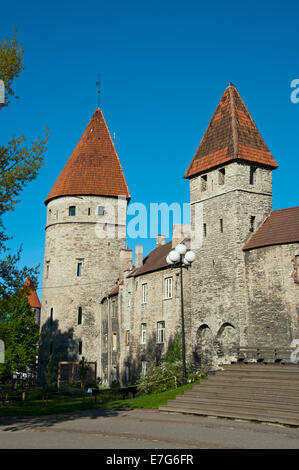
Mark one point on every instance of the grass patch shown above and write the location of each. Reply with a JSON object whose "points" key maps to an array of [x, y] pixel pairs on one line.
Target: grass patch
{"points": [[71, 404]]}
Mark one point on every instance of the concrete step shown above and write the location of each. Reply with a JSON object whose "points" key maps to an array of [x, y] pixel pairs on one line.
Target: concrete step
{"points": [[239, 402], [248, 386], [235, 413], [267, 393], [243, 395]]}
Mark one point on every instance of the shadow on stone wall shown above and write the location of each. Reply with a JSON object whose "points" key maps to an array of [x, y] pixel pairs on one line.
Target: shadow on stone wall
{"points": [[64, 347], [154, 354]]}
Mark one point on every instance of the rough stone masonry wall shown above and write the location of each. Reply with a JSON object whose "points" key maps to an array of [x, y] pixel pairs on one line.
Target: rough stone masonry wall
{"points": [[273, 296], [70, 240], [219, 308], [133, 312]]}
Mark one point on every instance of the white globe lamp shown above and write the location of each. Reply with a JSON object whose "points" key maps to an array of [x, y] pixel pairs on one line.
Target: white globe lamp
{"points": [[181, 248], [174, 256], [190, 256]]}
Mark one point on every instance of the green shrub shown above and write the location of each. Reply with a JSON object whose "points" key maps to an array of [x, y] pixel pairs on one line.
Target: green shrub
{"points": [[161, 378]]}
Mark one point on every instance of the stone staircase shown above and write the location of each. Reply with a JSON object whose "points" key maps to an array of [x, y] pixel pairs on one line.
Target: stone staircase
{"points": [[255, 392]]}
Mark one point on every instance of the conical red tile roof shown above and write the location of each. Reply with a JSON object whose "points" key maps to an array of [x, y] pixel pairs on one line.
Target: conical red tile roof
{"points": [[94, 167], [31, 294], [230, 135]]}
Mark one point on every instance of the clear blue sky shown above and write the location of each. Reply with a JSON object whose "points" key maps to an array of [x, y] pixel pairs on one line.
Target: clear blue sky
{"points": [[164, 66]]}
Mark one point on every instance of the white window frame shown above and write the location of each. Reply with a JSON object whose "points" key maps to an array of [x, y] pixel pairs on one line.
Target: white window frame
{"points": [[144, 293], [143, 333], [143, 367], [160, 332], [168, 288]]}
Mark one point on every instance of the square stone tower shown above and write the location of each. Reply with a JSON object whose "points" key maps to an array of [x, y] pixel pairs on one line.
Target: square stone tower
{"points": [[86, 228], [231, 196]]}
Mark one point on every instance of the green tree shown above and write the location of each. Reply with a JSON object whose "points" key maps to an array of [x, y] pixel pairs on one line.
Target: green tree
{"points": [[19, 165], [20, 333]]}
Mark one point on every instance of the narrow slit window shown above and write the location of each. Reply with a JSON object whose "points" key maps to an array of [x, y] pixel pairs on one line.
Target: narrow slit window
{"points": [[89, 211], [80, 347], [252, 223], [79, 269], [79, 315], [221, 225], [205, 230], [114, 342], [51, 316]]}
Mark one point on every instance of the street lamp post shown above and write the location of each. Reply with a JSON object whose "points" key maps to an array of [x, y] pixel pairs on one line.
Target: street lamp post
{"points": [[181, 257]]}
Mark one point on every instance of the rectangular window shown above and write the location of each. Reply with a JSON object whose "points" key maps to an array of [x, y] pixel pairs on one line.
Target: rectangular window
{"points": [[114, 309], [143, 333], [221, 225], [168, 288], [101, 210], [72, 211], [79, 269], [252, 223], [143, 367], [161, 332], [144, 293], [205, 230], [114, 342], [127, 338], [80, 347], [204, 182], [105, 343], [51, 316], [252, 175], [221, 176], [79, 315]]}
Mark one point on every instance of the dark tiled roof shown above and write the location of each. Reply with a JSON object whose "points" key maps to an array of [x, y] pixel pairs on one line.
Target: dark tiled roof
{"points": [[94, 167], [155, 260], [231, 135], [281, 227], [31, 294]]}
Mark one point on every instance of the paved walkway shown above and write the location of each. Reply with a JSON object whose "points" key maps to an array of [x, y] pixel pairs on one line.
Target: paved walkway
{"points": [[141, 429]]}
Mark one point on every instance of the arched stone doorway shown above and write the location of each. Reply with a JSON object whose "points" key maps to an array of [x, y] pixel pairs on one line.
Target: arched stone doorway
{"points": [[226, 344], [204, 351]]}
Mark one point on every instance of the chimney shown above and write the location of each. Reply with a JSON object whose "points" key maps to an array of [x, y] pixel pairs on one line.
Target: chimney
{"points": [[125, 262], [138, 256], [180, 232], [160, 240]]}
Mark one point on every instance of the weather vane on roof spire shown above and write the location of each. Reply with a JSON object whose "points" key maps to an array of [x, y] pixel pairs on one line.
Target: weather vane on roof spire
{"points": [[98, 83]]}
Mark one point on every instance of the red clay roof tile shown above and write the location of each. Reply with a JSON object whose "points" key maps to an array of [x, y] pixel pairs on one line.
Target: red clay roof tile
{"points": [[94, 167], [281, 227], [230, 135]]}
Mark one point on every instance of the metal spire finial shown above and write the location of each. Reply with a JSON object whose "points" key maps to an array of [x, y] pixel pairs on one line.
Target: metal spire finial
{"points": [[98, 83]]}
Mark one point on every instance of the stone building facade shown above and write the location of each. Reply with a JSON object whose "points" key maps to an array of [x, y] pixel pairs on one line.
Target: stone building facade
{"points": [[241, 294]]}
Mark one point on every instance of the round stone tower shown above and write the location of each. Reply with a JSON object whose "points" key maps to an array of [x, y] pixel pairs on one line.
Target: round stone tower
{"points": [[86, 227]]}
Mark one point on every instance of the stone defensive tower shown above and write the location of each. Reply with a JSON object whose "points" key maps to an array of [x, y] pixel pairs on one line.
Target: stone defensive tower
{"points": [[231, 196], [85, 231]]}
